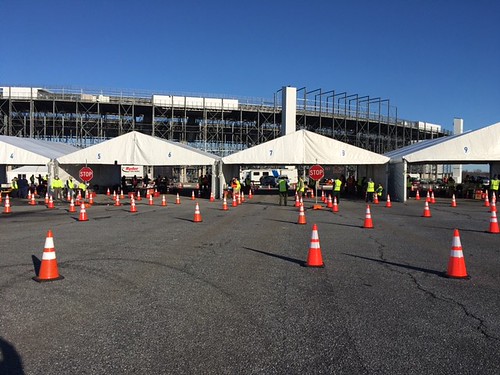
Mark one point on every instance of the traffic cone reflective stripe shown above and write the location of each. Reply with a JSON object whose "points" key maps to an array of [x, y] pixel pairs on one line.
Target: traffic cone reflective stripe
{"points": [[48, 266], [197, 214], [235, 203], [238, 198], [453, 201], [314, 257], [46, 198], [427, 210], [83, 213], [494, 223], [368, 218], [456, 264], [302, 216], [6, 209], [388, 203], [433, 200], [91, 199], [297, 201], [177, 199]]}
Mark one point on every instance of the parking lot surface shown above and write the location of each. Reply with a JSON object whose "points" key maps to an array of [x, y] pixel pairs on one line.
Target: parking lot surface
{"points": [[153, 292]]}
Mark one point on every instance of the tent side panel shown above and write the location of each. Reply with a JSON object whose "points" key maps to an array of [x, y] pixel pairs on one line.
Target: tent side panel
{"points": [[397, 181]]}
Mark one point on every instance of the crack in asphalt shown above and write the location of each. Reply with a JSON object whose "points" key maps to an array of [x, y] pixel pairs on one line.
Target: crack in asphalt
{"points": [[481, 326]]}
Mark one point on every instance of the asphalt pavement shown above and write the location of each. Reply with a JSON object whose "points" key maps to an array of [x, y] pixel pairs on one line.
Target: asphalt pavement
{"points": [[153, 292]]}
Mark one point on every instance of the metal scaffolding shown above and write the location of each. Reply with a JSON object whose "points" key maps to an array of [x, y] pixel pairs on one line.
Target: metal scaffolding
{"points": [[85, 117]]}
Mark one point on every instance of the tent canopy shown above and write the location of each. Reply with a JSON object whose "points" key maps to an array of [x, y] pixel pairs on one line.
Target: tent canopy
{"points": [[475, 147], [135, 148], [29, 151], [305, 148]]}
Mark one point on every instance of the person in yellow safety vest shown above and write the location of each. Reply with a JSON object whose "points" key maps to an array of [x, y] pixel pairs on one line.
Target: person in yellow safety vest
{"points": [[283, 191], [82, 186], [14, 186], [370, 190], [494, 185], [337, 186], [379, 190], [235, 184], [301, 187], [70, 187], [57, 186]]}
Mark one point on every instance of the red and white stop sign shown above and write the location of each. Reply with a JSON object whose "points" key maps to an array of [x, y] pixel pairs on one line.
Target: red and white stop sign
{"points": [[86, 174], [316, 172]]}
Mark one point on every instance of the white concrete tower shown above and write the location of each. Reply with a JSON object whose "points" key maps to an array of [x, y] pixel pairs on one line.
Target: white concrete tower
{"points": [[458, 128], [289, 110]]}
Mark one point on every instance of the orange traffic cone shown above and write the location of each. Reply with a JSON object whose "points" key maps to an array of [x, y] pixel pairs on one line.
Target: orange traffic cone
{"points": [[242, 197], [51, 203], [133, 207], [493, 206], [224, 204], [32, 200], [433, 200], [329, 203], [250, 195], [48, 267], [417, 196], [122, 196], [314, 257], [108, 193], [302, 216], [114, 195], [456, 264], [453, 201], [72, 206], [0, 198], [91, 199], [163, 200], [486, 200], [192, 196], [235, 202], [117, 202], [83, 213], [212, 198], [388, 203], [46, 198], [428, 198], [138, 195], [494, 223], [368, 218], [427, 210], [6, 209], [197, 214], [151, 203], [335, 206], [177, 199], [297, 201], [375, 198], [238, 199], [323, 199]]}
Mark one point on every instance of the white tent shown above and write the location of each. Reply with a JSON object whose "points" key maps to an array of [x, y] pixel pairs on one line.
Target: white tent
{"points": [[29, 152], [303, 147], [480, 146], [134, 148]]}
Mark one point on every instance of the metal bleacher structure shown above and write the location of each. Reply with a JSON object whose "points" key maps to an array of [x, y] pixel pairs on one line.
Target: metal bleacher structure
{"points": [[211, 123]]}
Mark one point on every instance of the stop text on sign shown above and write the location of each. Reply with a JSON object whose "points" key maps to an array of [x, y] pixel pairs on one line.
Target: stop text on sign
{"points": [[316, 172]]}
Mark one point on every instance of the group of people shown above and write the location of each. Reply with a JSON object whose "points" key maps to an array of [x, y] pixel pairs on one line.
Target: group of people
{"points": [[20, 186]]}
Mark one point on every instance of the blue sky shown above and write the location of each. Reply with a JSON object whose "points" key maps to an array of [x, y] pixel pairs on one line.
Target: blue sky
{"points": [[434, 59]]}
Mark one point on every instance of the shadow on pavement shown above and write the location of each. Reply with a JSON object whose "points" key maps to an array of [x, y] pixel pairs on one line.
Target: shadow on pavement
{"points": [[425, 270], [10, 360], [282, 257]]}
